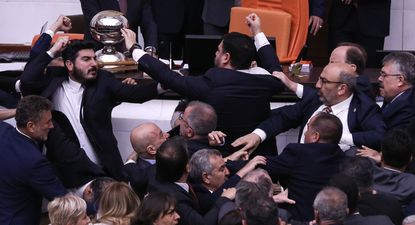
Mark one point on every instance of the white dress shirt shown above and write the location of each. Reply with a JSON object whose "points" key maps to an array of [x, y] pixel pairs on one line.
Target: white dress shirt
{"points": [[67, 99]]}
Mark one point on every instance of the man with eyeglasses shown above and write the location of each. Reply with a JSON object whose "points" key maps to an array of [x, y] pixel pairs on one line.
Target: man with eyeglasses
{"points": [[360, 116], [396, 81]]}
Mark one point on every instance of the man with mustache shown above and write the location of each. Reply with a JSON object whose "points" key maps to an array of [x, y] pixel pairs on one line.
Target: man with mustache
{"points": [[83, 100], [396, 81], [360, 116]]}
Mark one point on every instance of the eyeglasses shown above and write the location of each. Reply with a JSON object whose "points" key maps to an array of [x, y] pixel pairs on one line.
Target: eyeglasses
{"points": [[325, 81], [182, 119], [383, 74]]}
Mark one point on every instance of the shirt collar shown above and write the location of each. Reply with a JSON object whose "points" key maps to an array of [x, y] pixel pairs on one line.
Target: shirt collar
{"points": [[341, 106], [74, 85], [185, 186], [256, 70], [24, 134], [151, 161]]}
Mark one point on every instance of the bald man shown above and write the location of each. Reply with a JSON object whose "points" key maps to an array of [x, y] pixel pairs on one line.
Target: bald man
{"points": [[360, 116], [145, 140]]}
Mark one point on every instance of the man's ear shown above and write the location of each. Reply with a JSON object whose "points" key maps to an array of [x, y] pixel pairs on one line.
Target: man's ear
{"points": [[151, 150], [88, 194], [226, 58], [316, 137], [30, 126], [205, 178], [69, 65], [354, 67]]}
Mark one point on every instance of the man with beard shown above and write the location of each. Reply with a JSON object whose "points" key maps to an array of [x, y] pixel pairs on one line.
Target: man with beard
{"points": [[360, 115], [83, 100]]}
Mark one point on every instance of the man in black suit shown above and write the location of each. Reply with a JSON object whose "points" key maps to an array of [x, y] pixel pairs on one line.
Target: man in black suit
{"points": [[370, 202], [172, 171], [216, 16], [349, 187], [239, 94], [362, 21], [390, 177], [396, 81], [145, 140], [85, 97], [210, 175], [25, 174], [139, 13], [305, 168], [360, 115]]}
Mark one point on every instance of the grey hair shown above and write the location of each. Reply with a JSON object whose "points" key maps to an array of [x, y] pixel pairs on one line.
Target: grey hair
{"points": [[200, 163], [331, 204], [348, 79], [406, 63], [202, 118]]}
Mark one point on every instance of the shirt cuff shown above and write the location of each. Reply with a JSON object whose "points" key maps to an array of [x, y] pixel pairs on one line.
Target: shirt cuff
{"points": [[17, 86], [50, 54], [260, 40], [50, 32], [129, 161], [137, 54], [260, 133], [300, 91]]}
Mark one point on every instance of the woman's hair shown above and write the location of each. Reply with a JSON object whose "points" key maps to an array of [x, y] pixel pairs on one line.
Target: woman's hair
{"points": [[65, 210], [118, 205], [155, 205]]}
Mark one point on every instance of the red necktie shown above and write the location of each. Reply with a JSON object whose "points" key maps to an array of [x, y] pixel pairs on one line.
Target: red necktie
{"points": [[123, 6], [327, 109]]}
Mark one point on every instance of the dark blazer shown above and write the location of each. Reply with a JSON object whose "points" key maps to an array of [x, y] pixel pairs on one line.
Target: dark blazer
{"points": [[381, 204], [399, 112], [241, 100], [208, 198], [217, 12], [306, 169], [364, 118], [317, 8], [25, 177], [357, 219], [70, 162], [139, 175], [99, 98], [169, 15], [399, 185], [194, 145], [139, 13], [187, 208], [372, 17]]}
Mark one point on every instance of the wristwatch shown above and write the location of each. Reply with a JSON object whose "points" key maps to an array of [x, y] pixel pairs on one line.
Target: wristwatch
{"points": [[134, 46]]}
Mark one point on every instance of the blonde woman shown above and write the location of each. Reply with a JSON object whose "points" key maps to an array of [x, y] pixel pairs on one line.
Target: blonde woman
{"points": [[68, 210], [118, 205]]}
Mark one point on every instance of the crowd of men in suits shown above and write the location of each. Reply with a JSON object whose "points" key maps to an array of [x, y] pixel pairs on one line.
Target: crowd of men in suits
{"points": [[63, 140]]}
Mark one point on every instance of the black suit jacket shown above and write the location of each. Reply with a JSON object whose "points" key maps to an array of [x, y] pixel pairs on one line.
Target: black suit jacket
{"points": [[372, 16], [70, 162], [187, 208], [241, 100], [399, 112], [380, 204], [139, 175], [306, 168], [139, 13], [357, 219], [25, 177], [217, 12], [99, 98]]}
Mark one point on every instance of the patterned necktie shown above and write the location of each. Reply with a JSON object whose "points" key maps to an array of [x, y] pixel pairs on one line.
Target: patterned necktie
{"points": [[327, 109], [123, 6]]}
